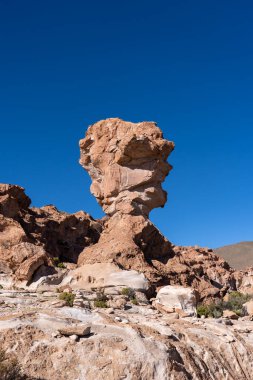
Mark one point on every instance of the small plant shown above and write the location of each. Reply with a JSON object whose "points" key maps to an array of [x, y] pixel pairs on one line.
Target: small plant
{"points": [[1, 286], [129, 292], [61, 265], [202, 310], [100, 303], [101, 299], [58, 263], [68, 297], [134, 301]]}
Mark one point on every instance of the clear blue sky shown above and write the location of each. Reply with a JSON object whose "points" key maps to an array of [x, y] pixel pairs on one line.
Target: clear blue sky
{"points": [[186, 64]]}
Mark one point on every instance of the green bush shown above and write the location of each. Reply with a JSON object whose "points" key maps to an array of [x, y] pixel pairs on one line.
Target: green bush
{"points": [[234, 303], [101, 299], [202, 310], [68, 297], [129, 292], [134, 301], [100, 303], [58, 263]]}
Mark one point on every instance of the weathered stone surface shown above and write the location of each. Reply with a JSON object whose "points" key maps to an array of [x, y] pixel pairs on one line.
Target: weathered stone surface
{"points": [[136, 343], [30, 237], [79, 330], [230, 314], [12, 200], [125, 160], [178, 299], [127, 164], [105, 275], [248, 307], [133, 243]]}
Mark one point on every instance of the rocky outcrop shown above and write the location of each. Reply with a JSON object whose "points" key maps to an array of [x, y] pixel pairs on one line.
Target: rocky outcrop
{"points": [[127, 164], [32, 237]]}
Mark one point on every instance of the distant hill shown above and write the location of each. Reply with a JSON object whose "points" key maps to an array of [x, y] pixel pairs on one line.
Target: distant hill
{"points": [[239, 256]]}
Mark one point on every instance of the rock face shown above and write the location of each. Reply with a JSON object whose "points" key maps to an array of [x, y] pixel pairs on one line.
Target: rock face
{"points": [[127, 164], [31, 237]]}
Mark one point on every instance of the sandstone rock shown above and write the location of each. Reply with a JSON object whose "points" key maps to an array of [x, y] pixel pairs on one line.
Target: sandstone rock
{"points": [[127, 164], [105, 275], [230, 314], [177, 298], [124, 161], [117, 303], [12, 200], [60, 234], [79, 330], [26, 269], [248, 307]]}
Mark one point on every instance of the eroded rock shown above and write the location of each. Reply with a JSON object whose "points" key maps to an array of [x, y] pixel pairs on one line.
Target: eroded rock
{"points": [[177, 299], [127, 164]]}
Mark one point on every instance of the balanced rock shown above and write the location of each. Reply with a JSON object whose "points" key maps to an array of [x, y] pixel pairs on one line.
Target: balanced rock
{"points": [[127, 164]]}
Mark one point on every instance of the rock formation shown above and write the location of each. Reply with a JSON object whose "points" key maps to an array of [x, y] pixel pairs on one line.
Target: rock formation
{"points": [[127, 164], [32, 237], [99, 319]]}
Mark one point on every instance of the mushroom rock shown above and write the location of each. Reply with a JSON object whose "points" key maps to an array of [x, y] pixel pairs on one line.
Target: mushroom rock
{"points": [[127, 164]]}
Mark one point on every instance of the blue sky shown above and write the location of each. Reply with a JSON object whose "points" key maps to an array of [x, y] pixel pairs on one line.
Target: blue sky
{"points": [[186, 64]]}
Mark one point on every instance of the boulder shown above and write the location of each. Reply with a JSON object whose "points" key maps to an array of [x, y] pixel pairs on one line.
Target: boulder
{"points": [[78, 329], [248, 308], [177, 299], [229, 314], [105, 275]]}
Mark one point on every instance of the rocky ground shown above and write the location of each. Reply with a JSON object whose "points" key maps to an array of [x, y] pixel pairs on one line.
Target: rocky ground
{"points": [[53, 341]]}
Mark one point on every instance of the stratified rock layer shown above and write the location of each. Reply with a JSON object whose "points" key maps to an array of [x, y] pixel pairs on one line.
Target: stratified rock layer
{"points": [[127, 164]]}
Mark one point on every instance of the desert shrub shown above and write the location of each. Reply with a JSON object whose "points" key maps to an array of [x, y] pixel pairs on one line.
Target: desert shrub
{"points": [[234, 303], [129, 292], [68, 297], [134, 301], [100, 303], [214, 310], [101, 299], [202, 310], [1, 286], [10, 368], [101, 296], [57, 263]]}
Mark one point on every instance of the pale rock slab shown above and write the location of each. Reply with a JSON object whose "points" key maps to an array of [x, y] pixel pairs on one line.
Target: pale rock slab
{"points": [[177, 298], [105, 275]]}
